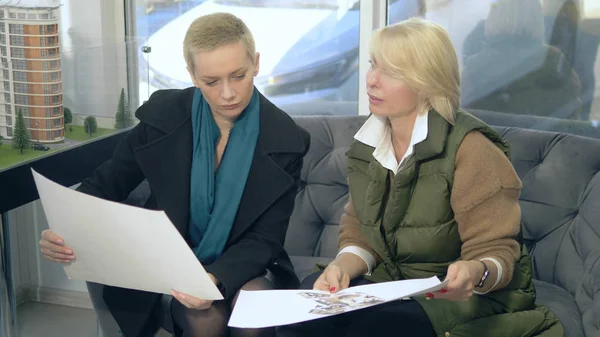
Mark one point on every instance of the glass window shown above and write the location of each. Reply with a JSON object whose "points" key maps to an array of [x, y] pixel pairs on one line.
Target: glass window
{"points": [[544, 56], [21, 87], [7, 97], [12, 15], [44, 16], [42, 30], [8, 120], [9, 132], [312, 66], [22, 16], [6, 86], [3, 51], [7, 108], [19, 64], [18, 52], [22, 99], [20, 76], [31, 16], [17, 40], [15, 29], [2, 28], [48, 112], [42, 42], [2, 37]]}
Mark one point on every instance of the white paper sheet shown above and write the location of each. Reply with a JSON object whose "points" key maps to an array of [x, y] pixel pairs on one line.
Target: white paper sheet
{"points": [[265, 308], [121, 245]]}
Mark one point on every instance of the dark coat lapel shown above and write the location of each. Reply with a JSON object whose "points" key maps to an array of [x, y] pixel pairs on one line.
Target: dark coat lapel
{"points": [[166, 163]]}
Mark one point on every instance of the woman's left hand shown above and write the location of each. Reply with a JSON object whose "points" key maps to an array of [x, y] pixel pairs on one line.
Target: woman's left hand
{"points": [[462, 277], [192, 302]]}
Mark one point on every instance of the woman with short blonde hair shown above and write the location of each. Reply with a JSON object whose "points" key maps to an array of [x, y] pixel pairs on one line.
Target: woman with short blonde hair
{"points": [[432, 193], [206, 153]]}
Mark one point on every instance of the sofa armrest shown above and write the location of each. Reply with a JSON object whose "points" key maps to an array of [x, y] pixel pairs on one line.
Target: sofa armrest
{"points": [[587, 295]]}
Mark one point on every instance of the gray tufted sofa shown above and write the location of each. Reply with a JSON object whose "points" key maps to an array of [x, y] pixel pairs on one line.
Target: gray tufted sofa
{"points": [[560, 205]]}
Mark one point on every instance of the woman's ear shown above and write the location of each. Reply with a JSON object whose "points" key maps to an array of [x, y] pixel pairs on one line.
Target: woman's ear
{"points": [[256, 63], [193, 77]]}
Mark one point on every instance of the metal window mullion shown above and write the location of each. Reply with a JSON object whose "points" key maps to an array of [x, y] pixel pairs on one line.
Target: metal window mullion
{"points": [[373, 15]]}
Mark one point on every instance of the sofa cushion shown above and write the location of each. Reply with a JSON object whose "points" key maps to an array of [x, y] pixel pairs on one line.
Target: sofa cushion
{"points": [[562, 304]]}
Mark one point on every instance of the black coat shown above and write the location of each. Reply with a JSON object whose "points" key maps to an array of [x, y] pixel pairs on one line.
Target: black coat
{"points": [[159, 149]]}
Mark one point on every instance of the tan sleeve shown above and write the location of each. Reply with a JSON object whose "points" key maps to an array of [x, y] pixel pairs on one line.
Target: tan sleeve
{"points": [[485, 202], [350, 234]]}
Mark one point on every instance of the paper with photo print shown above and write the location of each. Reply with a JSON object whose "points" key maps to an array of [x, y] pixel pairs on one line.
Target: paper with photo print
{"points": [[266, 308], [121, 245]]}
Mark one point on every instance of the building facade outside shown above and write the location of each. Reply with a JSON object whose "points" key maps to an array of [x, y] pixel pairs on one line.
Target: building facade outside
{"points": [[31, 72]]}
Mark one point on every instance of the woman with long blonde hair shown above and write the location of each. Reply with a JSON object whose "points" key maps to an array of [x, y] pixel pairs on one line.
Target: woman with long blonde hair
{"points": [[432, 193]]}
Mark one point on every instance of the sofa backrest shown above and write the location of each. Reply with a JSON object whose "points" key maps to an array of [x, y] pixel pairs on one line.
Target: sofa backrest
{"points": [[560, 200], [314, 223]]}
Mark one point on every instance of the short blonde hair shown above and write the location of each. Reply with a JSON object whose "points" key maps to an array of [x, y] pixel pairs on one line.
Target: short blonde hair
{"points": [[516, 18], [419, 52], [211, 31]]}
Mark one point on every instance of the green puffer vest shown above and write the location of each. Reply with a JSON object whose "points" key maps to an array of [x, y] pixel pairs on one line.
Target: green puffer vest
{"points": [[412, 227]]}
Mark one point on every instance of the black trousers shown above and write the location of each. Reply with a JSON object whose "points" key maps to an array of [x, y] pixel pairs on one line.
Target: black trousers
{"points": [[397, 318]]}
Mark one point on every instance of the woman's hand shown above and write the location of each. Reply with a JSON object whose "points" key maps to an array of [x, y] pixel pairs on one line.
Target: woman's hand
{"points": [[462, 276], [54, 249], [339, 272], [333, 279], [192, 302]]}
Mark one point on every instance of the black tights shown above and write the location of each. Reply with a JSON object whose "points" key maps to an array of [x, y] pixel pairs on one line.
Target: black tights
{"points": [[212, 322]]}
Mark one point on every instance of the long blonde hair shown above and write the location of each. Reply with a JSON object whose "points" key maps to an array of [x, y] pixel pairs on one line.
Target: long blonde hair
{"points": [[420, 53]]}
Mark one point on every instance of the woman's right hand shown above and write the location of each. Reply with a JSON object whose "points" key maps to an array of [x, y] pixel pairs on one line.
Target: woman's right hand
{"points": [[339, 272], [336, 276], [53, 248], [333, 279]]}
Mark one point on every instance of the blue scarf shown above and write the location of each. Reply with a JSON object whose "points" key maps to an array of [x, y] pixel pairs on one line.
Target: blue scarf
{"points": [[214, 200]]}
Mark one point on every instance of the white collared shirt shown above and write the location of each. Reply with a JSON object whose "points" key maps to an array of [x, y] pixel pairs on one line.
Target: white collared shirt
{"points": [[377, 133]]}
